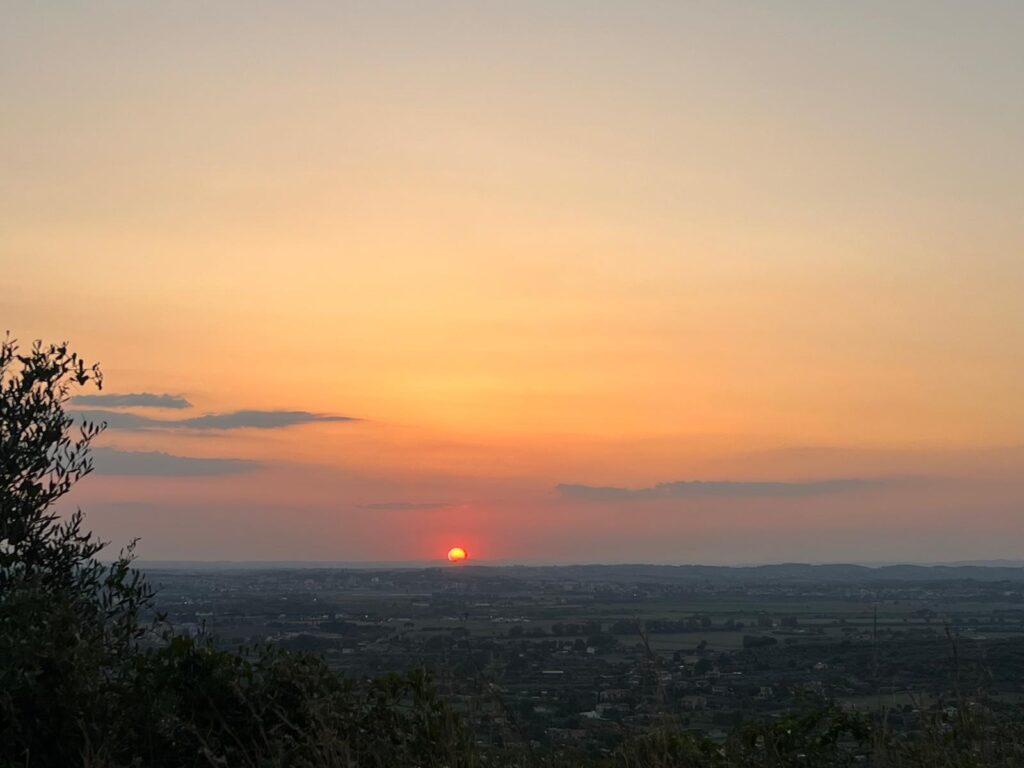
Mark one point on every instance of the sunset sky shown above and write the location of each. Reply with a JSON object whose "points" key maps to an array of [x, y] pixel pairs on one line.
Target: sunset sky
{"points": [[553, 281]]}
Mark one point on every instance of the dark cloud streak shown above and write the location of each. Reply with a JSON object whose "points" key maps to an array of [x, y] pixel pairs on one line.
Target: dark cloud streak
{"points": [[718, 489], [404, 505], [133, 400], [258, 419], [110, 461], [232, 420]]}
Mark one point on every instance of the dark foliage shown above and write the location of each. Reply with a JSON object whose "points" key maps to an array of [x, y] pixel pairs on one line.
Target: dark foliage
{"points": [[68, 622]]}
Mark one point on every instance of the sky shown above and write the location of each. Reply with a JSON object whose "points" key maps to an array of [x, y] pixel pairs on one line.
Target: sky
{"points": [[555, 281]]}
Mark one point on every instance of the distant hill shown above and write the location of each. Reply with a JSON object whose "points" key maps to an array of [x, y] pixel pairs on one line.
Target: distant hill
{"points": [[639, 572], [796, 572]]}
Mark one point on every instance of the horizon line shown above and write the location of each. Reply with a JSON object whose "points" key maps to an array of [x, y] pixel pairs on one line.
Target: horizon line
{"points": [[439, 562]]}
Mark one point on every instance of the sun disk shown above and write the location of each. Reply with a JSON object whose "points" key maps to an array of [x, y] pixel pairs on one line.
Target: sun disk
{"points": [[457, 554]]}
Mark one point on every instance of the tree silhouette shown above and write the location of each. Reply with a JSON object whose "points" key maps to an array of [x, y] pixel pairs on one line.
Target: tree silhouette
{"points": [[67, 620]]}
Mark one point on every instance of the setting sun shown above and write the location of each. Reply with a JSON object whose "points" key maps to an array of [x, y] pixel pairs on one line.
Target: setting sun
{"points": [[457, 554]]}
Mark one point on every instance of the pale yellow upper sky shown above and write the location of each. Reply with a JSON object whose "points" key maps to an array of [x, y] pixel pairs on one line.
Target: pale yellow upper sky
{"points": [[528, 244]]}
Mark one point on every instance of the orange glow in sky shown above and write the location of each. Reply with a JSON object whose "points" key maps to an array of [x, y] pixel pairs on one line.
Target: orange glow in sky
{"points": [[640, 281]]}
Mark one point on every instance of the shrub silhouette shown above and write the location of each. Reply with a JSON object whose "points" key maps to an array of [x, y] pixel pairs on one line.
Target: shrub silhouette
{"points": [[68, 623]]}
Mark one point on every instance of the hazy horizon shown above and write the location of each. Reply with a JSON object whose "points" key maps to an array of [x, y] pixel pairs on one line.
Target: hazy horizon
{"points": [[401, 564]]}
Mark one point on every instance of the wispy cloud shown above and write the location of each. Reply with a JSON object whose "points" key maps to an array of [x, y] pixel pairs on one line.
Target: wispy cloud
{"points": [[133, 400], [110, 461], [718, 489], [231, 420], [116, 419], [404, 505], [259, 419]]}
